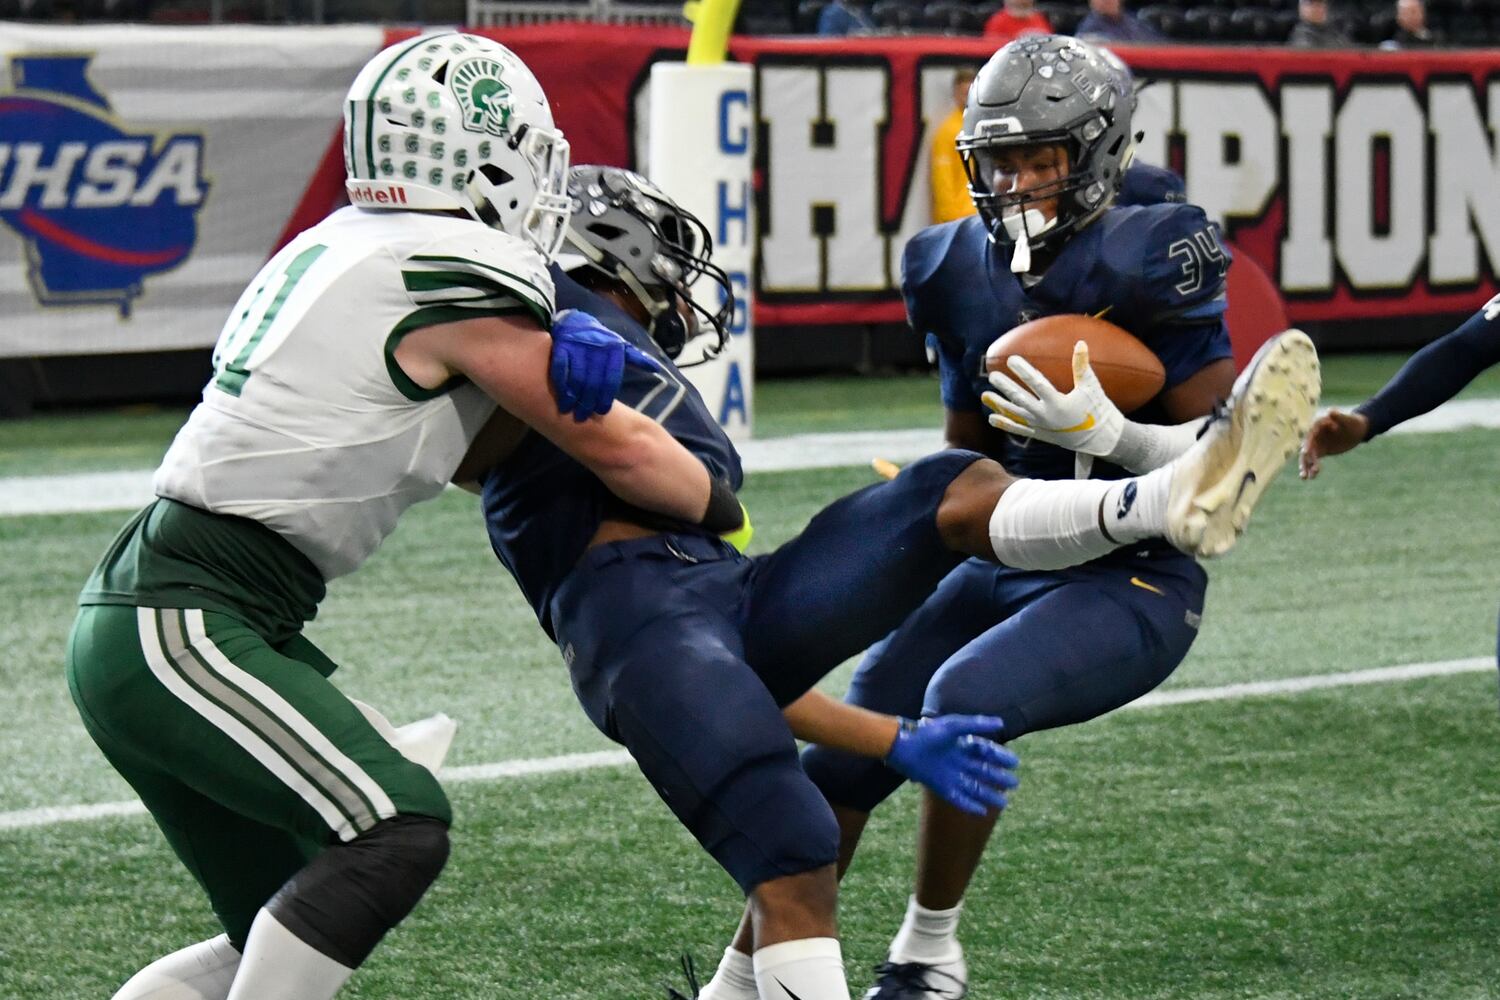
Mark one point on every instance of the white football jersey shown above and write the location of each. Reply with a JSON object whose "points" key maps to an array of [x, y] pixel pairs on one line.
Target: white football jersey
{"points": [[308, 425]]}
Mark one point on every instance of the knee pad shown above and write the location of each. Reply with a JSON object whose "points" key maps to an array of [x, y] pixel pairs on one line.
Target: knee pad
{"points": [[765, 821], [849, 781], [345, 899], [796, 833]]}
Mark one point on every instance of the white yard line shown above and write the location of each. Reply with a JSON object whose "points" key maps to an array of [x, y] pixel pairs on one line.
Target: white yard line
{"points": [[573, 762], [100, 491]]}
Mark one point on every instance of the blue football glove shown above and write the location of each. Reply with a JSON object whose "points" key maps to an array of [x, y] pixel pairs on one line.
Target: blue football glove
{"points": [[588, 362], [948, 755]]}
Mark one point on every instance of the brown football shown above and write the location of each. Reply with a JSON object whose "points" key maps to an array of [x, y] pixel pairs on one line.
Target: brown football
{"points": [[1130, 374]]}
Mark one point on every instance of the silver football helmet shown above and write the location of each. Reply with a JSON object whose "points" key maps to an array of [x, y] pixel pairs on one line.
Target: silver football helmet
{"points": [[1044, 89], [631, 232]]}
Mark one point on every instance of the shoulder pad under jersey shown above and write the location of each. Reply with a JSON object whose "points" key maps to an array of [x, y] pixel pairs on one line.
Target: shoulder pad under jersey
{"points": [[1148, 184], [1173, 261], [924, 271], [476, 267]]}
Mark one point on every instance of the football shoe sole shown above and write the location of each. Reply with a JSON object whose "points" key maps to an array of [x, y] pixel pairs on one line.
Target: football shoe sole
{"points": [[1222, 477]]}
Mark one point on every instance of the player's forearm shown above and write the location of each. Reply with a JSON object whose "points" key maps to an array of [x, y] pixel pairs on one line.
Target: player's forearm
{"points": [[1143, 447], [817, 718], [1435, 374], [647, 468]]}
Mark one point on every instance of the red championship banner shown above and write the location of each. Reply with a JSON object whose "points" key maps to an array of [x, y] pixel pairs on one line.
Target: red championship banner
{"points": [[1365, 184], [146, 173]]}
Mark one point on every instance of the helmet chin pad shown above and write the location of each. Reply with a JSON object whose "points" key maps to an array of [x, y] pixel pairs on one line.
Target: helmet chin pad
{"points": [[1031, 223]]}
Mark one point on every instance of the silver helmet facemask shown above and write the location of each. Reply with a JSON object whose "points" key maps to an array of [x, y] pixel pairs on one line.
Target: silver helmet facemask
{"points": [[628, 230], [1041, 90]]}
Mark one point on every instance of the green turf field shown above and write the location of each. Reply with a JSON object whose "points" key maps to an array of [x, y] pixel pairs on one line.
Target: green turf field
{"points": [[1332, 844], [136, 438]]}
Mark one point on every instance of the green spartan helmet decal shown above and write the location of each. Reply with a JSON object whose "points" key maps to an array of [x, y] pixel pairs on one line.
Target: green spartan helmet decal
{"points": [[484, 97]]}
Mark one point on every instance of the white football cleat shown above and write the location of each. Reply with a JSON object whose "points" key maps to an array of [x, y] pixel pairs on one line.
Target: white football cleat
{"points": [[1218, 482]]}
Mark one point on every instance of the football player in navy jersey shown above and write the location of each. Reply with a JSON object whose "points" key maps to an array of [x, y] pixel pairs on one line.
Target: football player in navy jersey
{"points": [[1046, 137], [687, 652], [1434, 375]]}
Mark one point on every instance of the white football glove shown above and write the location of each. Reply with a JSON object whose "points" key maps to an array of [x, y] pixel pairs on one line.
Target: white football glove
{"points": [[1084, 420]]}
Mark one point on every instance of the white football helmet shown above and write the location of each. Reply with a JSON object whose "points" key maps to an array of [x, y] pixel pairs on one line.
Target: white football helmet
{"points": [[453, 121]]}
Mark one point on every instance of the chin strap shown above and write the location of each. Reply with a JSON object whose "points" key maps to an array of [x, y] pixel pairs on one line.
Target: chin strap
{"points": [[1021, 226], [1020, 260]]}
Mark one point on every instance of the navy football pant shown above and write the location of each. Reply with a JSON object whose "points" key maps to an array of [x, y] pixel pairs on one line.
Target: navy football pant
{"points": [[1039, 649], [684, 651]]}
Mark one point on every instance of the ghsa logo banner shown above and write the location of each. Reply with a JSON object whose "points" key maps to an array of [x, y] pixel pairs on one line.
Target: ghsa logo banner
{"points": [[99, 207]]}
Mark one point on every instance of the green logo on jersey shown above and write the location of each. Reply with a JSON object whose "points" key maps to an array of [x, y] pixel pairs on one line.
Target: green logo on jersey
{"points": [[484, 97]]}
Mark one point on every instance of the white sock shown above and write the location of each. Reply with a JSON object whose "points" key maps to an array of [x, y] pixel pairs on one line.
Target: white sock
{"points": [[734, 979], [807, 969], [1053, 524], [927, 936], [201, 971], [278, 965]]}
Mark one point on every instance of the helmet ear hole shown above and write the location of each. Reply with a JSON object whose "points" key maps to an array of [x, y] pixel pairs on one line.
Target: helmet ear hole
{"points": [[494, 174], [441, 73], [605, 231]]}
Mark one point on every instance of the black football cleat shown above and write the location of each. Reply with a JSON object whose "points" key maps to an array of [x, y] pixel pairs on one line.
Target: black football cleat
{"points": [[692, 981], [915, 981]]}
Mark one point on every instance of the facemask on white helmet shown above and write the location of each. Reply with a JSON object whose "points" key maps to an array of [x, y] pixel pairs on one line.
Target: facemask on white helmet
{"points": [[450, 122]]}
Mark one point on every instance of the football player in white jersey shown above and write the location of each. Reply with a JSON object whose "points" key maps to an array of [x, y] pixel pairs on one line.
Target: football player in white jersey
{"points": [[349, 381]]}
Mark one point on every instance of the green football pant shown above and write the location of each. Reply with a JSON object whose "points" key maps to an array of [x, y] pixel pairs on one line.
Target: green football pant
{"points": [[247, 756]]}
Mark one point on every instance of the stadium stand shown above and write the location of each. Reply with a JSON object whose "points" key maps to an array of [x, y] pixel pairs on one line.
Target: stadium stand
{"points": [[1064, 18], [899, 15], [953, 17]]}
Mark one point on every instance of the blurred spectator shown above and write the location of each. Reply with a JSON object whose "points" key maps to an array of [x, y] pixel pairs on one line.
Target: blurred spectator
{"points": [[1016, 18], [1411, 28], [844, 17], [1109, 22], [950, 184], [1313, 30]]}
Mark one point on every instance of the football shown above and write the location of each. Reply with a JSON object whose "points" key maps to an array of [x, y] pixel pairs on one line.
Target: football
{"points": [[1130, 374]]}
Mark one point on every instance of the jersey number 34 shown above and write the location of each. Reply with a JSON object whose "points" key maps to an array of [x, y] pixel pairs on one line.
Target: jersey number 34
{"points": [[1200, 255]]}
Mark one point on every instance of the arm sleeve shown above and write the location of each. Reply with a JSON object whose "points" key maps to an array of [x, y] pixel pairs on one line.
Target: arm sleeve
{"points": [[479, 269], [1437, 372]]}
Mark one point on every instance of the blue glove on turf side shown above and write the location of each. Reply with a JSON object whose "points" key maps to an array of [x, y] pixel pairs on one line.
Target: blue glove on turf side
{"points": [[948, 756], [588, 361]]}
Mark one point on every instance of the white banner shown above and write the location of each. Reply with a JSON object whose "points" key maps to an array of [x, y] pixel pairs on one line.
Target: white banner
{"points": [[146, 173], [702, 129]]}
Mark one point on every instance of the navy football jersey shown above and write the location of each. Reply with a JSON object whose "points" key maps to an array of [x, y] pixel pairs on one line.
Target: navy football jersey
{"points": [[542, 507], [1156, 270]]}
